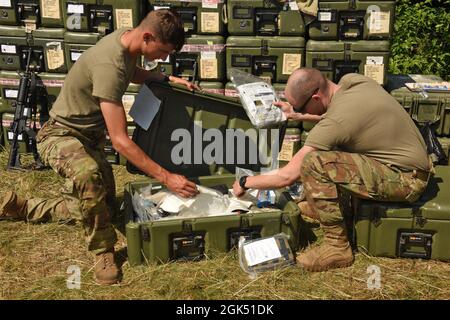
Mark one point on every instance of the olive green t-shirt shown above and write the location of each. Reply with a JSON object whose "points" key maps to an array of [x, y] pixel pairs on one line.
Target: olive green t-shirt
{"points": [[103, 71], [363, 118]]}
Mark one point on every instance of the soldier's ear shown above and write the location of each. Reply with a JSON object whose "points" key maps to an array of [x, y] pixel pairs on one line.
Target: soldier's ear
{"points": [[148, 37]]}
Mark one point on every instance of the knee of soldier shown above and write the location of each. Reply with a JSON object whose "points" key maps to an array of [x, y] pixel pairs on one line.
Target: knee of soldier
{"points": [[88, 177], [310, 163]]}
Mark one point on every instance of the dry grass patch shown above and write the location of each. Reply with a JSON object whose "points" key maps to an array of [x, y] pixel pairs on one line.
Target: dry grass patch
{"points": [[34, 261]]}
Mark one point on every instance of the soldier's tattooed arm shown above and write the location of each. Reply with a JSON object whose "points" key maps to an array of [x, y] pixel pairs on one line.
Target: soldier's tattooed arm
{"points": [[280, 178], [115, 119]]}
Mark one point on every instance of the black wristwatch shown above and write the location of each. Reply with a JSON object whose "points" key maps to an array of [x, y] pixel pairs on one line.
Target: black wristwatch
{"points": [[242, 182]]}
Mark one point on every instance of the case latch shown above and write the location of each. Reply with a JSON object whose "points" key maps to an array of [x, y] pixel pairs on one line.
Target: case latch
{"points": [[28, 11], [351, 25], [189, 18], [186, 66], [101, 19], [344, 67], [188, 246], [37, 58], [264, 66], [266, 22], [414, 244]]}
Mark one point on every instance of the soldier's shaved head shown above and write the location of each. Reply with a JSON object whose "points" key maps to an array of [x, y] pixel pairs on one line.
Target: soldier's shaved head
{"points": [[303, 82]]}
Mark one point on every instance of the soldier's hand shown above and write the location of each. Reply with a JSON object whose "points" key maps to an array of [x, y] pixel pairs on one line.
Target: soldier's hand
{"points": [[237, 189], [286, 107], [290, 113], [181, 186], [190, 85]]}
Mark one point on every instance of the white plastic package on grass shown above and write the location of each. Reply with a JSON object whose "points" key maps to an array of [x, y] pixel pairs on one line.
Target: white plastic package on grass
{"points": [[265, 254], [257, 98]]}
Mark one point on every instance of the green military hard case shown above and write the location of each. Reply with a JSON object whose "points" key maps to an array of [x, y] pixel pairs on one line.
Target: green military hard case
{"points": [[445, 143], [264, 18], [47, 44], [352, 20], [101, 16], [291, 145], [201, 58], [418, 230], [198, 16], [433, 107], [273, 58], [48, 84], [336, 58], [7, 120], [76, 44], [20, 13], [192, 238]]}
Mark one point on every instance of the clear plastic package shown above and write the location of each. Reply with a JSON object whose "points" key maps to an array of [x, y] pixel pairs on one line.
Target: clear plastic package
{"points": [[297, 191], [265, 254], [144, 208], [257, 98]]}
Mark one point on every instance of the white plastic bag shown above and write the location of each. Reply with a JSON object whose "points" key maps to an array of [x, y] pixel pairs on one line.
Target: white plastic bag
{"points": [[265, 254], [257, 98]]}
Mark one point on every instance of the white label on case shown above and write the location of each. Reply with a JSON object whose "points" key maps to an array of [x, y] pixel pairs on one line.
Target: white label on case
{"points": [[75, 55], [5, 3], [293, 5], [375, 72], [210, 22], [8, 49], [160, 7], [75, 8], [11, 93], [208, 68], [324, 16], [374, 60], [291, 62], [208, 55], [379, 22], [50, 9], [210, 4], [124, 18]]}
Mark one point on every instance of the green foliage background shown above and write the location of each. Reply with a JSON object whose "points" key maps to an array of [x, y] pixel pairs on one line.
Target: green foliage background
{"points": [[421, 43]]}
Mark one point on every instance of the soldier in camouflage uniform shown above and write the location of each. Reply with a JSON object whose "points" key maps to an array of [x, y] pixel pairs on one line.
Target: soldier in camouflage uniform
{"points": [[72, 141], [365, 143]]}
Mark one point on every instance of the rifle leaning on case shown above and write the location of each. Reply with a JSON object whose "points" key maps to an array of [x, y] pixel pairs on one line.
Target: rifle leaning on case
{"points": [[26, 109]]}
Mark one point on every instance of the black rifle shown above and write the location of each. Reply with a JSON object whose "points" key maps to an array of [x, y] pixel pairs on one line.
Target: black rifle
{"points": [[26, 108]]}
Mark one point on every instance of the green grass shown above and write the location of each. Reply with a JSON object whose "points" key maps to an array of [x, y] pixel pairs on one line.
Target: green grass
{"points": [[34, 261]]}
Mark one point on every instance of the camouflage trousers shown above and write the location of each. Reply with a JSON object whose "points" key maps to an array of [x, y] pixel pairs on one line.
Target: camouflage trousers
{"points": [[88, 195], [325, 174]]}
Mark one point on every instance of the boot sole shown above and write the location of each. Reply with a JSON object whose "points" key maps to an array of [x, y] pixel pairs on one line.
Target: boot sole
{"points": [[336, 265], [106, 282]]}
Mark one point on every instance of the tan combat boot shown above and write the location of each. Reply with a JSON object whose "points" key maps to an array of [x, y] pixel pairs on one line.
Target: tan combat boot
{"points": [[334, 252], [13, 207], [106, 270], [306, 211]]}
